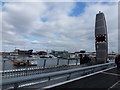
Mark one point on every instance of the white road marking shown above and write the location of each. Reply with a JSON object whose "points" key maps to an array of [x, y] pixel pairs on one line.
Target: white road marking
{"points": [[114, 85], [110, 73]]}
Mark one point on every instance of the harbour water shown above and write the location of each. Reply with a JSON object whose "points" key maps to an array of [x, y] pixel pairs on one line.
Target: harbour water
{"points": [[8, 65]]}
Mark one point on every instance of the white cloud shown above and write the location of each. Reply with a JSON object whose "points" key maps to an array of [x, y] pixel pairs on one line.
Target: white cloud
{"points": [[22, 21]]}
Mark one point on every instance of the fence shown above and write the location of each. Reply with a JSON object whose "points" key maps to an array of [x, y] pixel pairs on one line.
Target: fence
{"points": [[43, 62], [29, 71], [26, 71], [53, 77], [38, 69]]}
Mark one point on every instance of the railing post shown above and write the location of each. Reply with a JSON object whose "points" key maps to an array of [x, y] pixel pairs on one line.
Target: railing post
{"points": [[69, 76], [26, 71], [58, 62], [15, 86], [27, 67], [68, 62], [44, 63], [49, 78], [3, 65], [76, 61]]}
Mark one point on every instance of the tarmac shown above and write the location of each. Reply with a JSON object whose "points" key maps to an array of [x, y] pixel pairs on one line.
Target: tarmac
{"points": [[107, 80]]}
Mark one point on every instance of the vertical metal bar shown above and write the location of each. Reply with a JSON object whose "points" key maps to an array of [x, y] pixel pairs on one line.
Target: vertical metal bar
{"points": [[57, 61], [29, 71], [68, 62], [69, 76], [18, 73], [16, 86], [76, 61], [26, 71], [8, 74], [44, 63], [2, 74], [11, 74], [38, 69], [5, 75], [23, 72], [49, 78], [15, 73], [3, 65]]}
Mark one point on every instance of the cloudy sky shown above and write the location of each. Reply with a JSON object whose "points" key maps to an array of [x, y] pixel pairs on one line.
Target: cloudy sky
{"points": [[56, 25]]}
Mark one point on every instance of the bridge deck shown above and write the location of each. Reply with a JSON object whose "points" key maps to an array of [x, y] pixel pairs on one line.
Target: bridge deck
{"points": [[107, 79]]}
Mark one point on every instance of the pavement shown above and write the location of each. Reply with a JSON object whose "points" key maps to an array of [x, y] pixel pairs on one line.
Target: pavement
{"points": [[108, 80]]}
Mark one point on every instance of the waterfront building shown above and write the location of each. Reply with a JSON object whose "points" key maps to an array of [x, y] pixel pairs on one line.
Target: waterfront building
{"points": [[23, 52], [41, 53], [61, 54]]}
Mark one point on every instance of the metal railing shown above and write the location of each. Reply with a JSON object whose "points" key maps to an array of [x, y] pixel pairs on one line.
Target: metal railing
{"points": [[30, 71], [53, 77], [27, 70], [44, 62]]}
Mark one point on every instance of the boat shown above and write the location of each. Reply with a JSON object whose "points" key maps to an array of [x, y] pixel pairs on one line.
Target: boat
{"points": [[19, 62], [26, 61]]}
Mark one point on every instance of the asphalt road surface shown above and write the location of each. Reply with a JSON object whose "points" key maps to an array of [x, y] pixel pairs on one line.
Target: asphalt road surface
{"points": [[107, 80]]}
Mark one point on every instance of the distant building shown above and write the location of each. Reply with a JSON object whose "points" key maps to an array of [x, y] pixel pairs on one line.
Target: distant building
{"points": [[82, 51], [5, 54], [25, 53], [72, 55], [41, 53], [61, 54], [22, 52]]}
